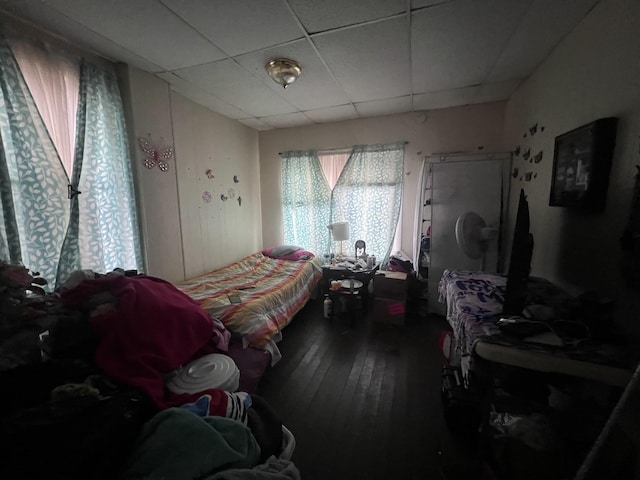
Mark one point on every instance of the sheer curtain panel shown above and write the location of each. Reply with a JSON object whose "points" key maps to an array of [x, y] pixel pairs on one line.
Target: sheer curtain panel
{"points": [[306, 198], [34, 196], [368, 195], [52, 221]]}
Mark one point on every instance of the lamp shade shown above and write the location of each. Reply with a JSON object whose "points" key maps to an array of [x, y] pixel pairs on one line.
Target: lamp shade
{"points": [[339, 231]]}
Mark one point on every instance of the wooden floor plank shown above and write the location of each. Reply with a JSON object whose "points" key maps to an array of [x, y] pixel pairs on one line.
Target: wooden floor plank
{"points": [[362, 401]]}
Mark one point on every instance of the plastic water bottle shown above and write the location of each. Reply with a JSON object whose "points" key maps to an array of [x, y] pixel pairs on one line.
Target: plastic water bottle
{"points": [[327, 304]]}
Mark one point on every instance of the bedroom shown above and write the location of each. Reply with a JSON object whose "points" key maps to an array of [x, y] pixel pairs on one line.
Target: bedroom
{"points": [[594, 72]]}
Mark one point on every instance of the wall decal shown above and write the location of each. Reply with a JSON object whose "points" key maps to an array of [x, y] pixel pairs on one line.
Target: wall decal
{"points": [[239, 200], [526, 154], [223, 197], [235, 179], [206, 197], [537, 158], [515, 172], [528, 176], [210, 174], [155, 155], [516, 152], [533, 129]]}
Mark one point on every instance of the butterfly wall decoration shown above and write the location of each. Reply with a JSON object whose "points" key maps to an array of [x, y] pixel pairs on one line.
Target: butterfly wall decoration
{"points": [[154, 156]]}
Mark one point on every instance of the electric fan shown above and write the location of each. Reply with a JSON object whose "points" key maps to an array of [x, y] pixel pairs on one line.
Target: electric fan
{"points": [[473, 235]]}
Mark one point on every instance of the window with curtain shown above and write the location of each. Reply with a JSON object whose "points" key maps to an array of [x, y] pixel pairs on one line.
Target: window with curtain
{"points": [[66, 185], [367, 194]]}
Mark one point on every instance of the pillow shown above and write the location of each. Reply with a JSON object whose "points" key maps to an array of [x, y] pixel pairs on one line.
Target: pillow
{"points": [[288, 252]]}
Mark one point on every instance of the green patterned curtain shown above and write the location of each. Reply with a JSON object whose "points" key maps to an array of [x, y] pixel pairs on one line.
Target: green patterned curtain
{"points": [[103, 229], [368, 195], [305, 202], [41, 226], [33, 181]]}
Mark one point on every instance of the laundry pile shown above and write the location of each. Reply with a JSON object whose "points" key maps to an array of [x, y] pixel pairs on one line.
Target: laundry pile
{"points": [[126, 383]]}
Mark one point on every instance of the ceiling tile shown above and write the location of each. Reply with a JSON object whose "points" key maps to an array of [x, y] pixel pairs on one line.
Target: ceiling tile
{"points": [[494, 92], [289, 120], [255, 123], [457, 43], [315, 88], [449, 52], [77, 34], [426, 3], [528, 47], [197, 95], [328, 14], [239, 26], [144, 27], [371, 61], [232, 84], [332, 114], [386, 106], [445, 98]]}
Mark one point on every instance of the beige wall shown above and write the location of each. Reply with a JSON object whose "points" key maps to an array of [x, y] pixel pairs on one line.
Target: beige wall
{"points": [[147, 106], [184, 235], [217, 232], [464, 129], [594, 73]]}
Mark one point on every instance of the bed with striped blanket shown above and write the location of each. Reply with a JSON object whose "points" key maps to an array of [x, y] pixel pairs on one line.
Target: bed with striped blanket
{"points": [[270, 292]]}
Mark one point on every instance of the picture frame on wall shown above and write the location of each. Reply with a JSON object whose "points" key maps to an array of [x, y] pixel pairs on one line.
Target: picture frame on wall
{"points": [[582, 164]]}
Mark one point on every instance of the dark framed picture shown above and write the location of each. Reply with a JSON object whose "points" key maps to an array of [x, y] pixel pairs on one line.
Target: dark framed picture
{"points": [[582, 164]]}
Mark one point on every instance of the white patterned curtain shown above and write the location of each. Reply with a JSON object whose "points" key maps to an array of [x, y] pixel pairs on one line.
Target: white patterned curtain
{"points": [[103, 228], [305, 202], [34, 183], [368, 195], [43, 221]]}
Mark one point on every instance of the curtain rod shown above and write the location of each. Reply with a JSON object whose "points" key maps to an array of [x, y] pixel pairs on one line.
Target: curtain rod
{"points": [[340, 149]]}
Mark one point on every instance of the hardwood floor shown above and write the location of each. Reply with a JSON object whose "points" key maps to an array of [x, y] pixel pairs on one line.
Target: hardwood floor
{"points": [[364, 402]]}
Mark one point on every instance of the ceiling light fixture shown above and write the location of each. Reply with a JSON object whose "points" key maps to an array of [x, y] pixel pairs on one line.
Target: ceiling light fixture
{"points": [[283, 71]]}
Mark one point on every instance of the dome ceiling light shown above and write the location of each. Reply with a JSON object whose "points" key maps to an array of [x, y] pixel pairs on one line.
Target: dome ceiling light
{"points": [[283, 71]]}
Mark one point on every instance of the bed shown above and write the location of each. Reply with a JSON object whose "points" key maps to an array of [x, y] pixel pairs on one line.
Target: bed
{"points": [[474, 303], [268, 293]]}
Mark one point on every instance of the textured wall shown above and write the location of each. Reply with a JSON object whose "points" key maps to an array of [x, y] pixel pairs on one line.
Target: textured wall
{"points": [[462, 129], [185, 235], [593, 73]]}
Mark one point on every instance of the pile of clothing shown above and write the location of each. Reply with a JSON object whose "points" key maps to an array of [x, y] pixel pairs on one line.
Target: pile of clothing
{"points": [[97, 405], [400, 262]]}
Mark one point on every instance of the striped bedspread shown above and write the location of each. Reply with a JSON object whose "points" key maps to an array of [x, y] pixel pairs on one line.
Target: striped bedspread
{"points": [[270, 291]]}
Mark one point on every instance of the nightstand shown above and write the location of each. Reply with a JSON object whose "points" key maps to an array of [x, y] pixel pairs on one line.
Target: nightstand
{"points": [[390, 292], [361, 294]]}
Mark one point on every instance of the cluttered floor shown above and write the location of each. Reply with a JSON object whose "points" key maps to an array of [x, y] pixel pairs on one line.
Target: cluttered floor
{"points": [[364, 401]]}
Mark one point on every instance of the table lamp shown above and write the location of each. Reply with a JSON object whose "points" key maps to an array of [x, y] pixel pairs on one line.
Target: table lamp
{"points": [[340, 233]]}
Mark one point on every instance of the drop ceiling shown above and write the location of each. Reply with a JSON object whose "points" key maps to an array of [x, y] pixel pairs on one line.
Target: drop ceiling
{"points": [[359, 58]]}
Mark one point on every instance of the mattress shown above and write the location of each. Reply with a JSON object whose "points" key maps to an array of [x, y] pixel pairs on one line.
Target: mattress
{"points": [[268, 293], [474, 305]]}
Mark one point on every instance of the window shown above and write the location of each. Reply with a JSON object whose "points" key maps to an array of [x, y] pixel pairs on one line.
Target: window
{"points": [[367, 194], [66, 186]]}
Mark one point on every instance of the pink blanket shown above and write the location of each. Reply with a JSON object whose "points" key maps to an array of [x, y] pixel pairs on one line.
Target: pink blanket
{"points": [[146, 329]]}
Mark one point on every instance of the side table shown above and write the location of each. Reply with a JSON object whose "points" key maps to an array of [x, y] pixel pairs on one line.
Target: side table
{"points": [[336, 273]]}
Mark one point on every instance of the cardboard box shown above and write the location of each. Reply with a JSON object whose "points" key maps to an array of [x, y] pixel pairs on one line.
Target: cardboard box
{"points": [[391, 285], [388, 310]]}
